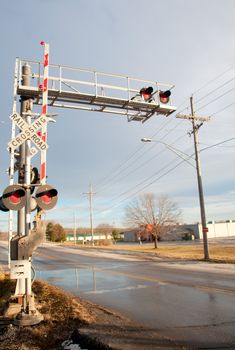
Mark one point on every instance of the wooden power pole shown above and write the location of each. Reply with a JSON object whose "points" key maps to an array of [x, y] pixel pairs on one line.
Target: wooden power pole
{"points": [[90, 194], [196, 126]]}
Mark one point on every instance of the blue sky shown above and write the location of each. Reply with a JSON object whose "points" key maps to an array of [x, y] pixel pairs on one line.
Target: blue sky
{"points": [[189, 43]]}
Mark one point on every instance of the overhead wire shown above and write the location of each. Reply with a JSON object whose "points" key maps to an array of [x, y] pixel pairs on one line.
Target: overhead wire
{"points": [[133, 162], [164, 174], [208, 94], [214, 79], [214, 90], [215, 99], [139, 148], [121, 170], [217, 144], [195, 92], [142, 188], [141, 165], [154, 180], [222, 109], [150, 177], [169, 120]]}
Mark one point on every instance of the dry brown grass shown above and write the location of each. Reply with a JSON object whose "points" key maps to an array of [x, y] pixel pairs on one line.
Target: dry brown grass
{"points": [[62, 314], [218, 252]]}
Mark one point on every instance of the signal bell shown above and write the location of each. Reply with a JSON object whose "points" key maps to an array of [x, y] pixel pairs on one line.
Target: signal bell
{"points": [[164, 96], [13, 198], [46, 197]]}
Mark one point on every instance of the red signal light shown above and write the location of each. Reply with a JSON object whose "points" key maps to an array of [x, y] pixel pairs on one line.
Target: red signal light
{"points": [[14, 197], [146, 93], [164, 96], [46, 197]]}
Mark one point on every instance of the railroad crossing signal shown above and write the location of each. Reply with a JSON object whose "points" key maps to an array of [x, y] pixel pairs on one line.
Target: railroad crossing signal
{"points": [[105, 93], [28, 132]]}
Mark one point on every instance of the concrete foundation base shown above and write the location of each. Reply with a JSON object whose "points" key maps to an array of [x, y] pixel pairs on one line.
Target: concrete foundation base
{"points": [[28, 319]]}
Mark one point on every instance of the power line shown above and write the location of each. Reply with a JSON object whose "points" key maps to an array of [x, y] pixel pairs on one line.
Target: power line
{"points": [[223, 109], [121, 170], [214, 79], [216, 99], [142, 188], [156, 179], [169, 120], [214, 90], [208, 147], [217, 144], [153, 175], [154, 157]]}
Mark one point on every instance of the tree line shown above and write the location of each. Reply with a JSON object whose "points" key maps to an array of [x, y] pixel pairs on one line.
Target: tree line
{"points": [[150, 215]]}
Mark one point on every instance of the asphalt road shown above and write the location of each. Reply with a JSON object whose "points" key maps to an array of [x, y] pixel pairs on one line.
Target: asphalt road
{"points": [[190, 302]]}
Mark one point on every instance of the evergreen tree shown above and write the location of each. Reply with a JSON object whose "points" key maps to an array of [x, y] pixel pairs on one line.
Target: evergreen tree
{"points": [[49, 232], [59, 233]]}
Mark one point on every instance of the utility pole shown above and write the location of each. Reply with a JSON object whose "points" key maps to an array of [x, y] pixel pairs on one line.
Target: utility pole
{"points": [[74, 229], [90, 194], [196, 126]]}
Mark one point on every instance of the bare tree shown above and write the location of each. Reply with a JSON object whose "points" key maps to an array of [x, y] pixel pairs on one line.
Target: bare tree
{"points": [[105, 229], [153, 214]]}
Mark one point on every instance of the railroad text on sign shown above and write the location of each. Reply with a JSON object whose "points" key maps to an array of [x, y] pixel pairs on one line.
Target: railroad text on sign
{"points": [[28, 132]]}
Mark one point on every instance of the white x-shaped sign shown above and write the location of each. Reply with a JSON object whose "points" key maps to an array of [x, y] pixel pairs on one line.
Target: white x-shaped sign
{"points": [[28, 132]]}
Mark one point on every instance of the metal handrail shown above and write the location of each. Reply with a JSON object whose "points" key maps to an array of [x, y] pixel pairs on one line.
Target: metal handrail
{"points": [[112, 93]]}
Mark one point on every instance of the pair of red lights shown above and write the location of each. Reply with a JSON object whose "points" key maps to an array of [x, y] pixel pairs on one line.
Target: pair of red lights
{"points": [[147, 94], [14, 198]]}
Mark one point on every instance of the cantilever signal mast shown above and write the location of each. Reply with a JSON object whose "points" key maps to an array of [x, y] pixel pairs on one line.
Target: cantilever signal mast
{"points": [[90, 90]]}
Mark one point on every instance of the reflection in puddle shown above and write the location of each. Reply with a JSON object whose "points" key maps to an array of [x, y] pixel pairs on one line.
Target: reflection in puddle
{"points": [[54, 279], [103, 291], [78, 280], [81, 281]]}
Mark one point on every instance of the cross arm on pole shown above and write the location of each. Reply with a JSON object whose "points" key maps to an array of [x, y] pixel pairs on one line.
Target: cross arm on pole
{"points": [[192, 117]]}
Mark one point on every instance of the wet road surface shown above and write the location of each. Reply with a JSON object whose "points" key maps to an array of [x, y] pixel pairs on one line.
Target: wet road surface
{"points": [[190, 302]]}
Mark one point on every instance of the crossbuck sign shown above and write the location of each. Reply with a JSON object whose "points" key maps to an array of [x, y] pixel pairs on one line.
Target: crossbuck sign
{"points": [[28, 132]]}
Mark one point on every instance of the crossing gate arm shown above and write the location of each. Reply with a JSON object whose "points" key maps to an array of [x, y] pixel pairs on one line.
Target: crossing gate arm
{"points": [[89, 90]]}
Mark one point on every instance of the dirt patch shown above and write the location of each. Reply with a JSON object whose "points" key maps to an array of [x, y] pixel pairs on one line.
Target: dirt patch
{"points": [[67, 317]]}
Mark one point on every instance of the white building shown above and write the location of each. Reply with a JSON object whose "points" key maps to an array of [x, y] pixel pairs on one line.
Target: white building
{"points": [[221, 229], [215, 229]]}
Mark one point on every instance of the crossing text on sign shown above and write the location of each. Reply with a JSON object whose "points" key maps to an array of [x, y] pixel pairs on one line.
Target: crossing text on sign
{"points": [[28, 132]]}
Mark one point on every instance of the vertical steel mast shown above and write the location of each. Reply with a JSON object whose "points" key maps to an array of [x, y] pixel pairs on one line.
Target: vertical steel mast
{"points": [[44, 88]]}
